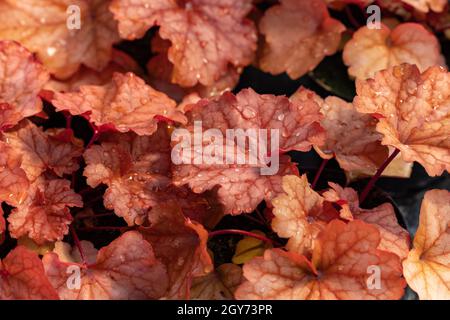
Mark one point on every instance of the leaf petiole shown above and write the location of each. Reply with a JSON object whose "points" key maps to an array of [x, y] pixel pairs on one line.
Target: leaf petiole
{"points": [[377, 175]]}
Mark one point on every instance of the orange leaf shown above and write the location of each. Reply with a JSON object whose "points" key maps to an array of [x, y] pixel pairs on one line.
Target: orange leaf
{"points": [[394, 238], [298, 35], [126, 103], [42, 27], [414, 110], [340, 269], [351, 136], [372, 50], [297, 213], [208, 34], [427, 5], [427, 268], [125, 269]]}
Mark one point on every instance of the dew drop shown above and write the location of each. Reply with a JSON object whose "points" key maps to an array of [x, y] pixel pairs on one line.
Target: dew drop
{"points": [[248, 113], [51, 51]]}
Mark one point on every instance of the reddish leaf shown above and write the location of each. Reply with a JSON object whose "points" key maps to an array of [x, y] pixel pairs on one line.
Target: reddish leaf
{"points": [[181, 245], [242, 187], [44, 215], [137, 172], [340, 269], [351, 136], [293, 47], [372, 50], [13, 180], [427, 268], [43, 27], [22, 277], [394, 238], [126, 103], [21, 79], [414, 110], [206, 38], [43, 151], [2, 222], [125, 269]]}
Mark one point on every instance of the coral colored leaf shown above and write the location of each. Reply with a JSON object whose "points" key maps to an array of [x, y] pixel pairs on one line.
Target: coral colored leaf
{"points": [[219, 284], [298, 214], [137, 172], [126, 103], [2, 221], [120, 62], [351, 136], [13, 180], [394, 238], [242, 186], [427, 268], [427, 5], [44, 215], [372, 50], [22, 277], [206, 35], [125, 269], [340, 269], [160, 70], [298, 35], [414, 110], [43, 151], [21, 79], [49, 28], [298, 121], [181, 245]]}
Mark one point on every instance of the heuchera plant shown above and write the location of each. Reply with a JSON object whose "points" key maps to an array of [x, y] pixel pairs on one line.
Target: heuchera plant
{"points": [[100, 202]]}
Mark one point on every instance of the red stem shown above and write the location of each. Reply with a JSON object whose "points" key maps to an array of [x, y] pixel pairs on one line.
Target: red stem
{"points": [[68, 117], [240, 232], [93, 138], [351, 18], [377, 175], [319, 172], [78, 244]]}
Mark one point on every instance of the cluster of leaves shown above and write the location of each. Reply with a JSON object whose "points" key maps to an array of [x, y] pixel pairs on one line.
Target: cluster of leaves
{"points": [[51, 179]]}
